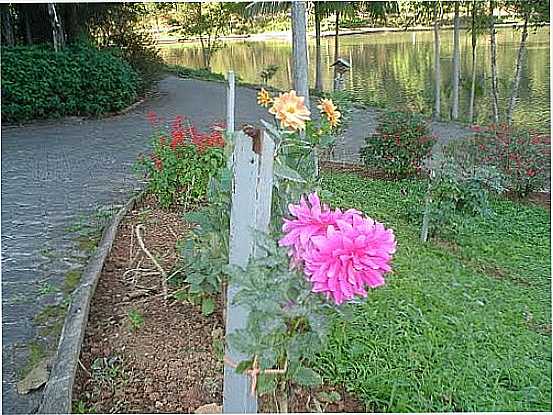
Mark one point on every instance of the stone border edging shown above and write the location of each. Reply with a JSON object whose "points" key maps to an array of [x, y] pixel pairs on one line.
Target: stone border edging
{"points": [[57, 396]]}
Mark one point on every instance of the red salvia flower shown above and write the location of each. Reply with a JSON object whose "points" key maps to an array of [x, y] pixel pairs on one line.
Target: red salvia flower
{"points": [[152, 118]]}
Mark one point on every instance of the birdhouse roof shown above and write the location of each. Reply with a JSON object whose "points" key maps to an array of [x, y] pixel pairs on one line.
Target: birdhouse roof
{"points": [[341, 62]]}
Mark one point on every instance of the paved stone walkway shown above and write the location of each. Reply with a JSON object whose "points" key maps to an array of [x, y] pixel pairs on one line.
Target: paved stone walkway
{"points": [[55, 172]]}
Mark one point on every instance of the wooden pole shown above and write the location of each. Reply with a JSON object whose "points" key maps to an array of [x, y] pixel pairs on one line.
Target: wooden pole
{"points": [[230, 102], [250, 213]]}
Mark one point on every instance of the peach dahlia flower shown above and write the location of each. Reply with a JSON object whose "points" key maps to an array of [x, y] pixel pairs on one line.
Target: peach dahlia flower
{"points": [[330, 110], [290, 110]]}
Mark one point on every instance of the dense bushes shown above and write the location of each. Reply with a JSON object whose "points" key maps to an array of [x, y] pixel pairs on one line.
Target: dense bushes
{"points": [[459, 187], [182, 162], [522, 156], [400, 145], [40, 83]]}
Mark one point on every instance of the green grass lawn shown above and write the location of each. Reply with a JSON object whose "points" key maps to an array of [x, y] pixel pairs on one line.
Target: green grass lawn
{"points": [[463, 324]]}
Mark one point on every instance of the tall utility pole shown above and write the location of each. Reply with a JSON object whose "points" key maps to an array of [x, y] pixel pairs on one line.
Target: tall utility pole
{"points": [[299, 49]]}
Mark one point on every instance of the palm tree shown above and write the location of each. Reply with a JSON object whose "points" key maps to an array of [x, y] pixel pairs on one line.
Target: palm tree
{"points": [[456, 62], [531, 11], [477, 28], [299, 50], [437, 67], [493, 50], [427, 12]]}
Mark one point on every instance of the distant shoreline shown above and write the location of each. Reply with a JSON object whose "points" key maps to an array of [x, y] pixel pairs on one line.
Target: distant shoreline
{"points": [[287, 35]]}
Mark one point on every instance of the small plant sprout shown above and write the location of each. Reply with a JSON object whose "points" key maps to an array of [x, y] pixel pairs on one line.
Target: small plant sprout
{"points": [[136, 319]]}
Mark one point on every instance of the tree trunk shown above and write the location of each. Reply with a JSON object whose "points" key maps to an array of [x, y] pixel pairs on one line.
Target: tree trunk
{"points": [[493, 45], [205, 48], [318, 62], [299, 41], [437, 67], [336, 44], [57, 29], [473, 77], [518, 71], [28, 32], [72, 22], [7, 26], [456, 62]]}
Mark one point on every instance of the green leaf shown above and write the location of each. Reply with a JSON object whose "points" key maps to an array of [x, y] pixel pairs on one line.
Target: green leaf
{"points": [[266, 383], [208, 306], [243, 366], [272, 131], [195, 278], [180, 295], [329, 397], [307, 377], [285, 172], [327, 140]]}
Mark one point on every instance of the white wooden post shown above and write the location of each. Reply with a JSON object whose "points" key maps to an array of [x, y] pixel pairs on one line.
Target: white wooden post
{"points": [[250, 212], [230, 102]]}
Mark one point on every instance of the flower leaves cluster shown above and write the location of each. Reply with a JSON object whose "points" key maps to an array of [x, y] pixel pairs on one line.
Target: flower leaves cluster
{"points": [[459, 186], [400, 145], [286, 323], [182, 161], [522, 156], [204, 254]]}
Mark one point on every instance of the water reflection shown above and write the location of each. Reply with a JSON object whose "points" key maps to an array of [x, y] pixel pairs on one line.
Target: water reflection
{"points": [[396, 69]]}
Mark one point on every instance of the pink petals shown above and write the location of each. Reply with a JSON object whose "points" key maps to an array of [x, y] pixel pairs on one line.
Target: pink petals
{"points": [[341, 253]]}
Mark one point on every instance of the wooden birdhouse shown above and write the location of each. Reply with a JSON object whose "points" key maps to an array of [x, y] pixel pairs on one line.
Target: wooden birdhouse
{"points": [[341, 66]]}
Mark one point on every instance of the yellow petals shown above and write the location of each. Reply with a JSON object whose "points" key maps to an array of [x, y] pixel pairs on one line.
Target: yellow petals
{"points": [[264, 98]]}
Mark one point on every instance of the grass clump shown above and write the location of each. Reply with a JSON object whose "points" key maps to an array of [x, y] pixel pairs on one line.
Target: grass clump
{"points": [[72, 279], [202, 74], [37, 352], [447, 333]]}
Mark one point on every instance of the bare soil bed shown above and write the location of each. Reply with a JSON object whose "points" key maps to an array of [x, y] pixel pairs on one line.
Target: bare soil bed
{"points": [[142, 354], [315, 400]]}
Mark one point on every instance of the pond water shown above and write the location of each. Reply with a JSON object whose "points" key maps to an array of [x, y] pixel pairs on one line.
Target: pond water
{"points": [[396, 69]]}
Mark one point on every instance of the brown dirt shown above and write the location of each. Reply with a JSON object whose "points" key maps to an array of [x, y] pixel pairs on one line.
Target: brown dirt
{"points": [[166, 364], [304, 400], [542, 199]]}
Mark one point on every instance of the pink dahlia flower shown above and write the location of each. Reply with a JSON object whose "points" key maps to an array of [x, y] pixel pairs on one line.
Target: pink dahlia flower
{"points": [[311, 220], [341, 253]]}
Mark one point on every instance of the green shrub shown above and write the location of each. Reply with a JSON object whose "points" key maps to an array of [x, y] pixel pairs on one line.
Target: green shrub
{"points": [[522, 156], [400, 144], [40, 83], [459, 188], [178, 171]]}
